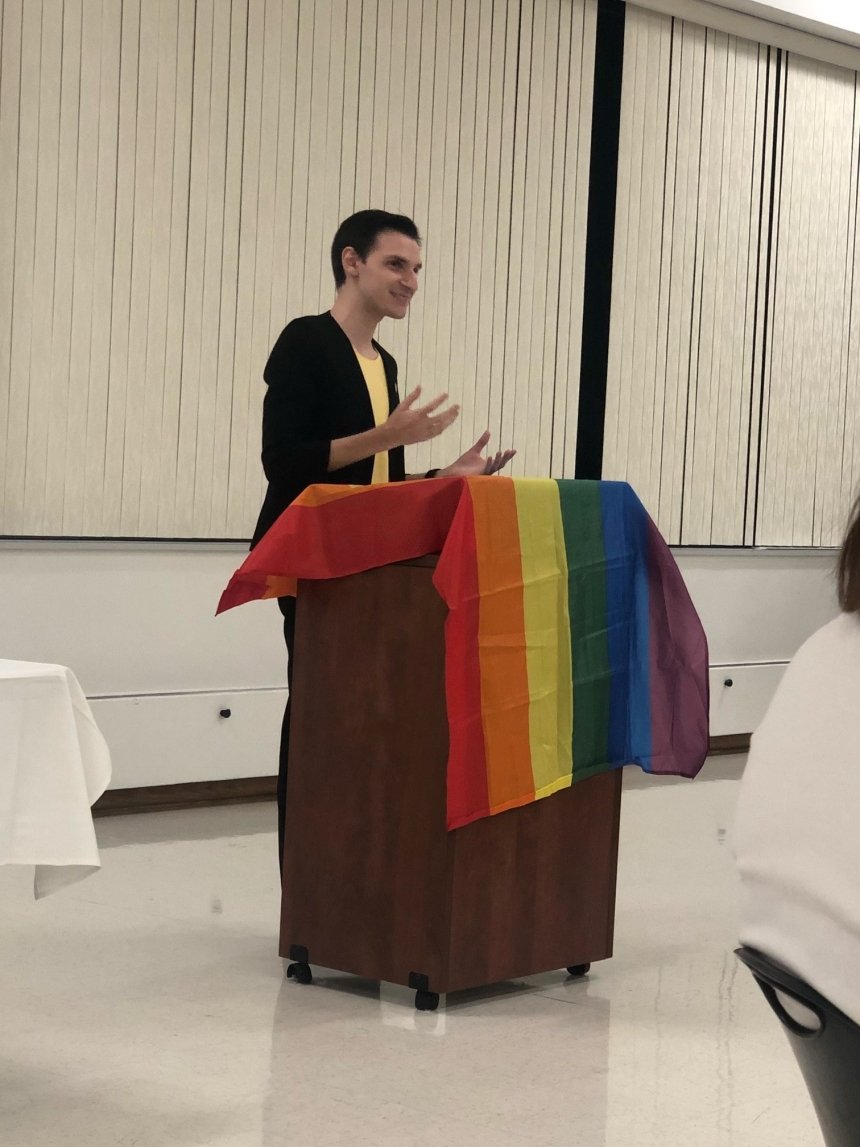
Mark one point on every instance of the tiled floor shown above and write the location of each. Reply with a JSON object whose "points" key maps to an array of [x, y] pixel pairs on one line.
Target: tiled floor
{"points": [[147, 1007]]}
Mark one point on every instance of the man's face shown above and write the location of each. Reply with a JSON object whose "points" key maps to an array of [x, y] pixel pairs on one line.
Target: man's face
{"points": [[388, 278]]}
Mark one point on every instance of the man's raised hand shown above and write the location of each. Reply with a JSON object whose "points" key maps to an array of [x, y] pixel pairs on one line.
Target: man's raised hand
{"points": [[409, 423]]}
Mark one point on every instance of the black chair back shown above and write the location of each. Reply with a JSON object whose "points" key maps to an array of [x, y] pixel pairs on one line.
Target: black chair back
{"points": [[826, 1045]]}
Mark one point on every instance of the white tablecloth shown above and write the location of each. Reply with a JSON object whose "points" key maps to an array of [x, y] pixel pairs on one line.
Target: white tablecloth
{"points": [[54, 765]]}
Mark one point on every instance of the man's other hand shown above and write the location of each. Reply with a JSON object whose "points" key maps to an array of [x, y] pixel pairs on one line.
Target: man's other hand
{"points": [[475, 462]]}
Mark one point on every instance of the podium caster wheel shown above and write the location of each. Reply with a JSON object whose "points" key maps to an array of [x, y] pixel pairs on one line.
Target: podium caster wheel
{"points": [[579, 969], [426, 1001], [301, 973]]}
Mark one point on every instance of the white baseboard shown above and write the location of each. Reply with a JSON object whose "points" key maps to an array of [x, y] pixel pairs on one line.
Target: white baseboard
{"points": [[739, 707], [169, 739]]}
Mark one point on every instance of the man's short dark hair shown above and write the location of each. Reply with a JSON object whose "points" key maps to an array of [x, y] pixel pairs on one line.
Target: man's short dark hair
{"points": [[361, 231]]}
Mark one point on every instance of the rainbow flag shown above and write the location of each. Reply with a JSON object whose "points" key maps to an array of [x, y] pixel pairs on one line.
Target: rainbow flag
{"points": [[572, 646]]}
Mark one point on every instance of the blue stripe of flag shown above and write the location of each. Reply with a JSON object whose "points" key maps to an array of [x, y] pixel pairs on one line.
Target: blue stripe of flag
{"points": [[627, 622]]}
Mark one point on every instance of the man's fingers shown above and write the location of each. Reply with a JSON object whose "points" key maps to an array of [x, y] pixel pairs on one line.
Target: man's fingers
{"points": [[499, 461], [410, 399], [434, 404], [442, 421], [445, 419], [482, 442]]}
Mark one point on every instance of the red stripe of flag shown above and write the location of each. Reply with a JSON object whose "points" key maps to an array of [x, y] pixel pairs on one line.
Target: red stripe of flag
{"points": [[456, 579], [328, 532]]}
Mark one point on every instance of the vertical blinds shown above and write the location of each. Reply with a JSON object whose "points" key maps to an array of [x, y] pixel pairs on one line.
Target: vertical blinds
{"points": [[733, 377], [809, 461], [173, 172]]}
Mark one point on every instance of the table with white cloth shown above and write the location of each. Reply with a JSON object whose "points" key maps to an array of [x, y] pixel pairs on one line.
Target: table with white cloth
{"points": [[54, 765]]}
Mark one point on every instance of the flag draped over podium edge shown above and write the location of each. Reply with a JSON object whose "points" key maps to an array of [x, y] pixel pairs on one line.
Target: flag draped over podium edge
{"points": [[572, 645]]}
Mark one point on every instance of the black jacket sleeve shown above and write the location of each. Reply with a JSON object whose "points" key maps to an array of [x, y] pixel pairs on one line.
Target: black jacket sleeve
{"points": [[396, 456], [295, 450]]}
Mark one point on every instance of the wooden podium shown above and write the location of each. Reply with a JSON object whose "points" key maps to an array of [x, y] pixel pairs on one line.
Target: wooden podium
{"points": [[373, 883]]}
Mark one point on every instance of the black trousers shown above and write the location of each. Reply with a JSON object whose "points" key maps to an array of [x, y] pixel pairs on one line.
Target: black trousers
{"points": [[287, 606]]}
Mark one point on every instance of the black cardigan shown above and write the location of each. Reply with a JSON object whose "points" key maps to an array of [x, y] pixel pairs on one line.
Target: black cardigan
{"points": [[316, 392]]}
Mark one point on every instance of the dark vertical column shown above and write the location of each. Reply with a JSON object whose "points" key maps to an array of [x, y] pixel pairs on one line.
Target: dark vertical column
{"points": [[600, 239], [769, 223]]}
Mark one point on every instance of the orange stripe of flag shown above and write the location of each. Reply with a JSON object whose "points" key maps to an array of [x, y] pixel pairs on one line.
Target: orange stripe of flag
{"points": [[277, 586], [501, 641], [323, 494]]}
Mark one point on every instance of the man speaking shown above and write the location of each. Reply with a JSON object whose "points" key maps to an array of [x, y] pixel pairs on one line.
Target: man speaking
{"points": [[332, 411]]}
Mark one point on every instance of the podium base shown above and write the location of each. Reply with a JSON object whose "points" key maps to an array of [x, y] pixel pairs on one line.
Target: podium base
{"points": [[373, 883]]}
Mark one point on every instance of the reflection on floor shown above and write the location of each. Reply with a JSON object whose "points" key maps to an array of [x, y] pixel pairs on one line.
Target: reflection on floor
{"points": [[147, 1006]]}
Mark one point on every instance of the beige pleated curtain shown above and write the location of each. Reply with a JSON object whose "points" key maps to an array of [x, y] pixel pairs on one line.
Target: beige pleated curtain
{"points": [[173, 171]]}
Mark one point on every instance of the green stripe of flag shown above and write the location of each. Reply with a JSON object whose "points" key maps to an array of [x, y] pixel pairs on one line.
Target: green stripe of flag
{"points": [[583, 538]]}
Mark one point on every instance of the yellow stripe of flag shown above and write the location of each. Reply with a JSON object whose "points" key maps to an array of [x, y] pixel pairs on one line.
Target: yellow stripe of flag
{"points": [[547, 630]]}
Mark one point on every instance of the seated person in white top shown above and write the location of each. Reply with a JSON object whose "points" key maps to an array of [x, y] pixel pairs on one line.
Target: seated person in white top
{"points": [[797, 834]]}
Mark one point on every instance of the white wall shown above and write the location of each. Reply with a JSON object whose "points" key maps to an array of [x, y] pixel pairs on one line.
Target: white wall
{"points": [[757, 607], [136, 624]]}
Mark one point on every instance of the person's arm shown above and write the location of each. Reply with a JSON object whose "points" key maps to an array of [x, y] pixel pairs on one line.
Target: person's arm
{"points": [[295, 449], [345, 451], [407, 424]]}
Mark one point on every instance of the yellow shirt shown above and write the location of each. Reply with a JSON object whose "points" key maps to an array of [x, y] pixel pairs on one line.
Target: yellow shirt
{"points": [[374, 375]]}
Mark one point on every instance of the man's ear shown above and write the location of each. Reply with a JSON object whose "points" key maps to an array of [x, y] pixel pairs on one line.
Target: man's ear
{"points": [[350, 260]]}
